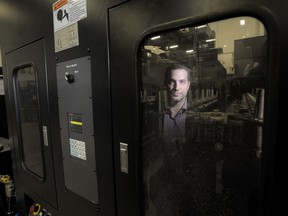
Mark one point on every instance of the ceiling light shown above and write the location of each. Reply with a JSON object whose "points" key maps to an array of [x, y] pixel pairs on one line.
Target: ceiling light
{"points": [[156, 37], [242, 22], [173, 46], [210, 40], [202, 26], [189, 51]]}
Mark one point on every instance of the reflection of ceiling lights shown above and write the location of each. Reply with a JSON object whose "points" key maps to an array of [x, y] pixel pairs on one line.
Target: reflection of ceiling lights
{"points": [[242, 22], [189, 51], [210, 40], [202, 26], [173, 46], [156, 37]]}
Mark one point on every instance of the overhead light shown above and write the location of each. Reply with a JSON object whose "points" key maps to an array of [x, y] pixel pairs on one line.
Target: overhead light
{"points": [[173, 46], [242, 22], [190, 51], [202, 26], [156, 37], [210, 40]]}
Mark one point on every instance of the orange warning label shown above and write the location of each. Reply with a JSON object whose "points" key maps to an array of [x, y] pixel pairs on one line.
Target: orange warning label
{"points": [[59, 4]]}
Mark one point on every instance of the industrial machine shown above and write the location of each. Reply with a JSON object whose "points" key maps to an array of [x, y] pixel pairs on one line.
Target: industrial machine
{"points": [[85, 101]]}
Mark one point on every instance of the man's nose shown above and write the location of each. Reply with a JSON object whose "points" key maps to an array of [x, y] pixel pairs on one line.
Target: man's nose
{"points": [[176, 86]]}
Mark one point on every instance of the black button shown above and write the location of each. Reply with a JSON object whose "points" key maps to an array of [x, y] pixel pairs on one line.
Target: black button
{"points": [[69, 78]]}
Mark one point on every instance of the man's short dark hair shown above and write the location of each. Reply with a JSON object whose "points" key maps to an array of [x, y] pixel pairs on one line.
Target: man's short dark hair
{"points": [[176, 66]]}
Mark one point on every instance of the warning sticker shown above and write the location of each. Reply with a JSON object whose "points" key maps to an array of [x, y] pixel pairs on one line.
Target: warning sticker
{"points": [[67, 12]]}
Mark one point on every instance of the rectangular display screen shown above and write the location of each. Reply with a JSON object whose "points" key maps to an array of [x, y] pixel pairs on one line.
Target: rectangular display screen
{"points": [[75, 122]]}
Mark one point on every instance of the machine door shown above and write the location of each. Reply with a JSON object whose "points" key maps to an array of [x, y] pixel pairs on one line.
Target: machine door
{"points": [[189, 90], [30, 116]]}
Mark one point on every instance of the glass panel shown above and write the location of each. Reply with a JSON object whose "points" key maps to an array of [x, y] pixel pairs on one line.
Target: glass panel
{"points": [[28, 108], [203, 105]]}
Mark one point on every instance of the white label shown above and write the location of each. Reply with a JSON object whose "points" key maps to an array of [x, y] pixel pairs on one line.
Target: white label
{"points": [[77, 149], [66, 38], [67, 12]]}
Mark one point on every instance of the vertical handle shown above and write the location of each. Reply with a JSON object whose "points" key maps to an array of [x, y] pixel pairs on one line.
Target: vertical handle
{"points": [[45, 135], [124, 157]]}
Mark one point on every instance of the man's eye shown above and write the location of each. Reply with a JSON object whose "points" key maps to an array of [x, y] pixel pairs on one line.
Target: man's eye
{"points": [[182, 81]]}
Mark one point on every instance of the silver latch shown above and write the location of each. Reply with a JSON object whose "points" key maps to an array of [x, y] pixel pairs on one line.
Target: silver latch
{"points": [[124, 157], [45, 135]]}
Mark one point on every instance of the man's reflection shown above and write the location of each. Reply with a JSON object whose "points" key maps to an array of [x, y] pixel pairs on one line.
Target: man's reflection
{"points": [[167, 185], [177, 80]]}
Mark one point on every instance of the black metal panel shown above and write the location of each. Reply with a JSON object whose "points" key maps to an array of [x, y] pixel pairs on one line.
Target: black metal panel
{"points": [[133, 21], [93, 43], [33, 54], [25, 21], [77, 132]]}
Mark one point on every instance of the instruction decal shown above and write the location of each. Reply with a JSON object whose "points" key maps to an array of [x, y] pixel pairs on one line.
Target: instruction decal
{"points": [[67, 12]]}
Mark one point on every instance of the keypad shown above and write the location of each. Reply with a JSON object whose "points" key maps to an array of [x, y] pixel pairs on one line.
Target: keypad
{"points": [[77, 149]]}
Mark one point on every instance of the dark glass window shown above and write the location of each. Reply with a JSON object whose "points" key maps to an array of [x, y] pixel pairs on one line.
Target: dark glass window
{"points": [[203, 107], [27, 101]]}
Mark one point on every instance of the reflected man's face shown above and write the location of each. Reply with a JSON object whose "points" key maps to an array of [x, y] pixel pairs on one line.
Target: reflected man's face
{"points": [[178, 84]]}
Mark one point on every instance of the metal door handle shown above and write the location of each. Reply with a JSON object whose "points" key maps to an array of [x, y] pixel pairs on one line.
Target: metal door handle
{"points": [[124, 157], [45, 135]]}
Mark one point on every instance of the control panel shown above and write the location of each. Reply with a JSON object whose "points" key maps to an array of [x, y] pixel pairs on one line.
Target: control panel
{"points": [[76, 125]]}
